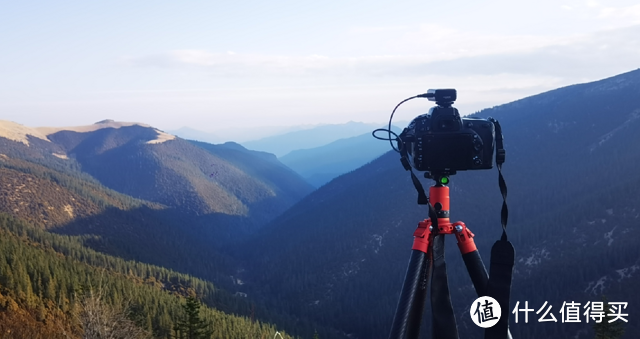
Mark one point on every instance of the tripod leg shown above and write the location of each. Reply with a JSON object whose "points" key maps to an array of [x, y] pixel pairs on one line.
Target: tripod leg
{"points": [[444, 320], [477, 272], [408, 317], [473, 262]]}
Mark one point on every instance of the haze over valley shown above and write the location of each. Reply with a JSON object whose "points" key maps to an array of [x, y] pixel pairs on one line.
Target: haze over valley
{"points": [[244, 222], [207, 170]]}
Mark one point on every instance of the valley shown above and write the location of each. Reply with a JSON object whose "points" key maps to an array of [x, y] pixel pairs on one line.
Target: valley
{"points": [[152, 219]]}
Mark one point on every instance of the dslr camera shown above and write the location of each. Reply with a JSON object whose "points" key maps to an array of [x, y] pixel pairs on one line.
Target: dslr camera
{"points": [[442, 142]]}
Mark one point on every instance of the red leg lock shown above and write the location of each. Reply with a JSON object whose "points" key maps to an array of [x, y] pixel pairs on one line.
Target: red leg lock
{"points": [[422, 236]]}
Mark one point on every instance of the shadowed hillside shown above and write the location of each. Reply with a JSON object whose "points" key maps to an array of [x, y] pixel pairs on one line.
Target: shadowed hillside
{"points": [[134, 193], [571, 169], [174, 173]]}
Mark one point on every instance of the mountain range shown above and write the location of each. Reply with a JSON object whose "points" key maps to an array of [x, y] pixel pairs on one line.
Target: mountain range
{"points": [[132, 192], [151, 219], [147, 164], [320, 165], [571, 170], [322, 135], [318, 153], [236, 134]]}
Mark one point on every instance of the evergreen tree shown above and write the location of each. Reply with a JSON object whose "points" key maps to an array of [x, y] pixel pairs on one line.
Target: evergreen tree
{"points": [[315, 335], [192, 327], [606, 329]]}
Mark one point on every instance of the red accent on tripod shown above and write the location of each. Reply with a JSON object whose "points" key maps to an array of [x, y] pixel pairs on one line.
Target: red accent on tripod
{"points": [[439, 198], [427, 267]]}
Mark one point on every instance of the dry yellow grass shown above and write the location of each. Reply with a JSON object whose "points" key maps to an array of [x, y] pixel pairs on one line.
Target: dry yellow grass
{"points": [[16, 132]]}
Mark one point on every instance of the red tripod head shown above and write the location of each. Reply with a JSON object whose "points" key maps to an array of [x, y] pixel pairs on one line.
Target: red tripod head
{"points": [[439, 199]]}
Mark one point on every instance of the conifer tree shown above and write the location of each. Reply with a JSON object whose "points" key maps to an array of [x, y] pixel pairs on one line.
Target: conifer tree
{"points": [[193, 327]]}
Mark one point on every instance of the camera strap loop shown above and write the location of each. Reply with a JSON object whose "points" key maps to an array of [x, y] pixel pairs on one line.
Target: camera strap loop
{"points": [[500, 158], [504, 212], [422, 196], [423, 199], [404, 159]]}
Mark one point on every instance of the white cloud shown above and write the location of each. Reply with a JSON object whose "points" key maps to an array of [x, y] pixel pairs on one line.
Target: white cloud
{"points": [[570, 57], [234, 65], [377, 29], [628, 14], [447, 43]]}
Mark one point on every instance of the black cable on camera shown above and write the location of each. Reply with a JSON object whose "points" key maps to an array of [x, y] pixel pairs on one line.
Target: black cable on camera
{"points": [[389, 131]]}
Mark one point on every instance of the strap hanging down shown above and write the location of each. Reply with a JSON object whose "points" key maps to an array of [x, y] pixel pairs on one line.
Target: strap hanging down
{"points": [[502, 254], [422, 196], [499, 286], [500, 158]]}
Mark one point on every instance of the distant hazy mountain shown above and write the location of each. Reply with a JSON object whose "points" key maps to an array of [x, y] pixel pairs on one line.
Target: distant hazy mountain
{"points": [[189, 133], [176, 173], [321, 164], [572, 171], [309, 138], [236, 134]]}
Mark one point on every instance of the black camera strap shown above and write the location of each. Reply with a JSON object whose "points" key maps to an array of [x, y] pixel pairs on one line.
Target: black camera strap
{"points": [[502, 254], [404, 159], [422, 196], [500, 158]]}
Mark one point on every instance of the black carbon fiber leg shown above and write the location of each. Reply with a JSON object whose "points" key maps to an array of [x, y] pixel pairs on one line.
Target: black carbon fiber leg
{"points": [[408, 317]]}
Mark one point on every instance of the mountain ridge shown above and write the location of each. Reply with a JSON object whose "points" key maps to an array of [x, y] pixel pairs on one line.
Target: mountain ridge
{"points": [[359, 226], [284, 143], [335, 259], [321, 164], [149, 157], [74, 184]]}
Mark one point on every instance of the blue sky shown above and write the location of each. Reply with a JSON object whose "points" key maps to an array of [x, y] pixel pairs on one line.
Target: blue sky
{"points": [[215, 65]]}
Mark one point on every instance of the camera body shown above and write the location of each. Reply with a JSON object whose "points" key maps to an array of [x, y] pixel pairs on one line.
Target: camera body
{"points": [[442, 141]]}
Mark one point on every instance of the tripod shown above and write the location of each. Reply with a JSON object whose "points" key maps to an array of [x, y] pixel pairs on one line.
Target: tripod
{"points": [[427, 263]]}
